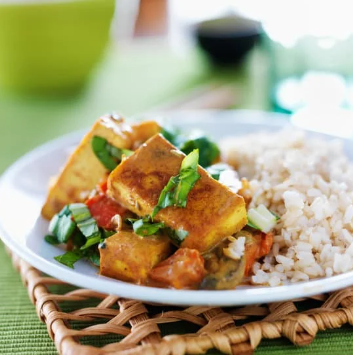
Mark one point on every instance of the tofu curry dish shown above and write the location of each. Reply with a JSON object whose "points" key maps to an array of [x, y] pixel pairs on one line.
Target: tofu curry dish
{"points": [[154, 206]]}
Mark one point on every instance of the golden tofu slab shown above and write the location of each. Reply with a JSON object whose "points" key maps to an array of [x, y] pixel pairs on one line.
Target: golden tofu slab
{"points": [[128, 257], [213, 211], [83, 171]]}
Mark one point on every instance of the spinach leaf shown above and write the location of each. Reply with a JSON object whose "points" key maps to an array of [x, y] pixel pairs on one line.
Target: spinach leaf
{"points": [[69, 258], [91, 241], [108, 155], [78, 239], [95, 258], [50, 239], [173, 135], [209, 150]]}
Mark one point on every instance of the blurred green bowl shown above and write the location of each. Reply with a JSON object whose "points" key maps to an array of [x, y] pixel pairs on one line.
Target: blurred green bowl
{"points": [[51, 45]]}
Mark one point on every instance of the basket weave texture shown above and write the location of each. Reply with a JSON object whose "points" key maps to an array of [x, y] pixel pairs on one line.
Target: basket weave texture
{"points": [[129, 327]]}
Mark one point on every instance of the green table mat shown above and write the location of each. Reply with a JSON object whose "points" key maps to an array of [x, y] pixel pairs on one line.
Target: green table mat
{"points": [[128, 82]]}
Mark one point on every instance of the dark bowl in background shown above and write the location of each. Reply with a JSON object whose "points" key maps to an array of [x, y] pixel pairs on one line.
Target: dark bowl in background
{"points": [[227, 40]]}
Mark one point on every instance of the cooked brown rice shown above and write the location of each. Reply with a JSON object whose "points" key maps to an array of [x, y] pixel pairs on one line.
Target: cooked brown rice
{"points": [[309, 183]]}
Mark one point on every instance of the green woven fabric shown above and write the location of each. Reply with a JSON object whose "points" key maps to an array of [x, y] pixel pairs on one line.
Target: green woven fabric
{"points": [[21, 332], [129, 82]]}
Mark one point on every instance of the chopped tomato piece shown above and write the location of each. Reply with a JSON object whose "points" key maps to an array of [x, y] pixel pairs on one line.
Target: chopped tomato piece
{"points": [[103, 209], [104, 186], [266, 244], [184, 269], [251, 252], [259, 245]]}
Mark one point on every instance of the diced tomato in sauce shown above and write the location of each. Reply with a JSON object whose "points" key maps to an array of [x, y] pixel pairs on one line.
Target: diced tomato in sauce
{"points": [[104, 186], [184, 269], [260, 246], [103, 209], [266, 244]]}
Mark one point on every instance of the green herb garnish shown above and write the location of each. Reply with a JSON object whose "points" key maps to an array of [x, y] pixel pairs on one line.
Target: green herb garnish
{"points": [[95, 258], [61, 226], [252, 225], [276, 216], [262, 218], [78, 239], [108, 155], [50, 239], [177, 236], [69, 258], [91, 241], [176, 191], [209, 150], [173, 135], [85, 222], [144, 226], [107, 233], [65, 229], [85, 237], [99, 238], [216, 169]]}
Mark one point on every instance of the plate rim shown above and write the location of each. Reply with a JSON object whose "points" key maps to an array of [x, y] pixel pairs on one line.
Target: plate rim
{"points": [[237, 297]]}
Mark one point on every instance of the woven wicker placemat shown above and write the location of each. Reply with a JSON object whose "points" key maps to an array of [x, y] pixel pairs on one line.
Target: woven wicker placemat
{"points": [[75, 315]]}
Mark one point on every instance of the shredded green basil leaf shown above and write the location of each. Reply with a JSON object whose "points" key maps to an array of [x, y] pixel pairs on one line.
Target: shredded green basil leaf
{"points": [[98, 238], [79, 211], [69, 258], [78, 239], [53, 224], [85, 237], [216, 169], [95, 258], [144, 227], [65, 211], [65, 229], [176, 191], [61, 226], [108, 155], [50, 239], [91, 241], [85, 222], [177, 236], [106, 234]]}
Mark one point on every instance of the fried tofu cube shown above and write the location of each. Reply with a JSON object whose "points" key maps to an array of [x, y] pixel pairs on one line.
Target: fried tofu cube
{"points": [[213, 211], [83, 171], [142, 131], [128, 257]]}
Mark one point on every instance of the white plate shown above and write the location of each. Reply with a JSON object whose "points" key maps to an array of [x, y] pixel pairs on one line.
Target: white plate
{"points": [[23, 189]]}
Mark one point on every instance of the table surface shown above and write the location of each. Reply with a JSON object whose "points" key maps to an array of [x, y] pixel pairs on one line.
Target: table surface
{"points": [[129, 80]]}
